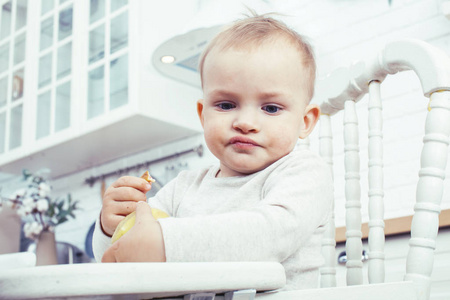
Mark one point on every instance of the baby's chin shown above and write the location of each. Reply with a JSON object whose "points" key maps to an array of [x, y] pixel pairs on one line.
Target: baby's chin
{"points": [[243, 170]]}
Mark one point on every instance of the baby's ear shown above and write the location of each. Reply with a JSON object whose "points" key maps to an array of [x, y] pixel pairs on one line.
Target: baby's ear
{"points": [[200, 110], [310, 118]]}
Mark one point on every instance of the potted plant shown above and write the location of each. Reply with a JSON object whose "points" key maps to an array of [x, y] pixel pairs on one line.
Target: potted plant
{"points": [[42, 213]]}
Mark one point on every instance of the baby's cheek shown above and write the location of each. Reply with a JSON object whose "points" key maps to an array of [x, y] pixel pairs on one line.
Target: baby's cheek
{"points": [[284, 144]]}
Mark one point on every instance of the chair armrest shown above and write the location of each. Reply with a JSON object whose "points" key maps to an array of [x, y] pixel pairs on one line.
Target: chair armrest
{"points": [[142, 280]]}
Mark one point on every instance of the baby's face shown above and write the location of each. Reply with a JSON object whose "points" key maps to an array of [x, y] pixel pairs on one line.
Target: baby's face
{"points": [[253, 107]]}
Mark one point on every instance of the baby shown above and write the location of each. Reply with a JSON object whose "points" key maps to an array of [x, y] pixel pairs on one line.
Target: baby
{"points": [[265, 200]]}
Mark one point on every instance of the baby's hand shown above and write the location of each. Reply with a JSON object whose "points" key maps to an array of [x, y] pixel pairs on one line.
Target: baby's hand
{"points": [[143, 243], [120, 200]]}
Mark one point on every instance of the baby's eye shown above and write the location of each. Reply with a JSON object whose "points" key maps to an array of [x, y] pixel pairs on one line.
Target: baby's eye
{"points": [[226, 106], [271, 109]]}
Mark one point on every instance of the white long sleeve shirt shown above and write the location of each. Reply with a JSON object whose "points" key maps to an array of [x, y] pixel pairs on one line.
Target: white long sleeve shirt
{"points": [[277, 214]]}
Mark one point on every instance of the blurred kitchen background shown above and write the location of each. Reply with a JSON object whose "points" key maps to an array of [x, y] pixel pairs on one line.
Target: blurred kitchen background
{"points": [[96, 89]]}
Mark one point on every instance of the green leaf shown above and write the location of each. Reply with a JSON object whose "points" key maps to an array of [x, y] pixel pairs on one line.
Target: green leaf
{"points": [[26, 173], [62, 220]]}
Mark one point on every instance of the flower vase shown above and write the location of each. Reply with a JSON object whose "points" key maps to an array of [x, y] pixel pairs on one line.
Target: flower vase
{"points": [[46, 249], [10, 225]]}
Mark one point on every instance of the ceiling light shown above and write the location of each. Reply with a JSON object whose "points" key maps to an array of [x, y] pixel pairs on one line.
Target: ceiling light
{"points": [[167, 59]]}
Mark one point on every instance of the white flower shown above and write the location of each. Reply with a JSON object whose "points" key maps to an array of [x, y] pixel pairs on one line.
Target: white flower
{"points": [[27, 207], [42, 205], [21, 211], [44, 189], [32, 230], [26, 229], [37, 228], [18, 194], [29, 202]]}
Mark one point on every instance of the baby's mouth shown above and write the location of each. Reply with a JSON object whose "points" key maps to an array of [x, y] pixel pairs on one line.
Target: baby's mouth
{"points": [[243, 142]]}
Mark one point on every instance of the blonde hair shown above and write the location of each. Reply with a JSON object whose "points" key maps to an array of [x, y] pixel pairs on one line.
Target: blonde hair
{"points": [[255, 30]]}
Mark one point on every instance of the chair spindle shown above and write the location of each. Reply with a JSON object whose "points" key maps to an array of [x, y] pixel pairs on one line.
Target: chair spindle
{"points": [[353, 233], [328, 271], [376, 191], [430, 187]]}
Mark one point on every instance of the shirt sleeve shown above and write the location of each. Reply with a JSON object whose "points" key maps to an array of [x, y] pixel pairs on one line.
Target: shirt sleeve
{"points": [[296, 202], [100, 241]]}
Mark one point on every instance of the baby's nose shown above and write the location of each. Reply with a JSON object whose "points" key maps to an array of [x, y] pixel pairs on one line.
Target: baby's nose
{"points": [[246, 122]]}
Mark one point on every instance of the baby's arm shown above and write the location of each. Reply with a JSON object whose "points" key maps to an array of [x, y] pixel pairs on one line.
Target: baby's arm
{"points": [[294, 206]]}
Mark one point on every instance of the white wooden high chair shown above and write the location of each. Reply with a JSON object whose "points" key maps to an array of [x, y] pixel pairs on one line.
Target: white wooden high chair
{"points": [[345, 87]]}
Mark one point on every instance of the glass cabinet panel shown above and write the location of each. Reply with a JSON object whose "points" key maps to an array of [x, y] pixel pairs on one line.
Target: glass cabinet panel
{"points": [[118, 82], [64, 64], [21, 14], [45, 70], [12, 70], [17, 85], [65, 23], [119, 32], [15, 137], [4, 57], [46, 6], [3, 91], [96, 95], [5, 29], [96, 10], [97, 43], [54, 102], [19, 49], [2, 131], [46, 39], [108, 58], [43, 115], [62, 107], [116, 4]]}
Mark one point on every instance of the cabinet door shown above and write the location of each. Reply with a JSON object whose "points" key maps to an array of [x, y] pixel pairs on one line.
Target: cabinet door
{"points": [[13, 35], [54, 84], [107, 56]]}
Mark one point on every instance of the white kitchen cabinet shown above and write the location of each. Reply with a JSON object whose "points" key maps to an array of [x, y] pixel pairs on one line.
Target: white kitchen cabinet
{"points": [[77, 87]]}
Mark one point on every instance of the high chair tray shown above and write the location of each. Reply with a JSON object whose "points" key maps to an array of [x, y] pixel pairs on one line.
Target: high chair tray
{"points": [[138, 280]]}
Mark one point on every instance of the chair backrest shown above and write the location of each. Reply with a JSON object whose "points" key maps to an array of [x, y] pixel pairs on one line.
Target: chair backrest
{"points": [[345, 87]]}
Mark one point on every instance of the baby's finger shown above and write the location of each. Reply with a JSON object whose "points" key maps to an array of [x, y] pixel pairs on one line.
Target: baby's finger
{"points": [[124, 208], [134, 182], [126, 194], [110, 253], [143, 212], [109, 222]]}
